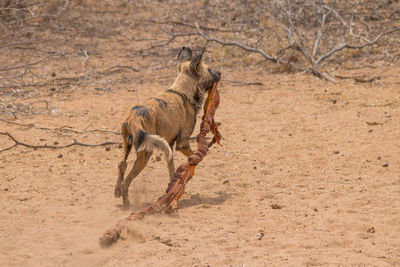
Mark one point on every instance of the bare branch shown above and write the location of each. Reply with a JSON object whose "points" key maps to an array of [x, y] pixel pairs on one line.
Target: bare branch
{"points": [[59, 129], [175, 35], [185, 24], [28, 64], [37, 85], [240, 83], [75, 143], [298, 37], [321, 30], [121, 67], [345, 45], [244, 47], [209, 39]]}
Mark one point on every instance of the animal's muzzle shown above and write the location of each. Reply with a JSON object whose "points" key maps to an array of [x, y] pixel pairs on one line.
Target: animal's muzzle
{"points": [[216, 75]]}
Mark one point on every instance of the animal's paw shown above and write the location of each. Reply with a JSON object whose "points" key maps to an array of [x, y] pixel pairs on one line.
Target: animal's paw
{"points": [[127, 204]]}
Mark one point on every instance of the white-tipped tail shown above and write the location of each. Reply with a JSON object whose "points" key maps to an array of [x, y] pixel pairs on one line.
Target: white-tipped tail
{"points": [[152, 142]]}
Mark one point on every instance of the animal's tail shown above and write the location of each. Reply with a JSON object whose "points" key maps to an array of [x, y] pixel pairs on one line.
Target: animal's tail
{"points": [[144, 141], [148, 142]]}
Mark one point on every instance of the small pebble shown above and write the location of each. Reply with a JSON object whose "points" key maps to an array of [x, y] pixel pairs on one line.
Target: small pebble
{"points": [[385, 165], [108, 148], [371, 230], [59, 156], [276, 206], [6, 189], [158, 158], [226, 182], [260, 236], [336, 152]]}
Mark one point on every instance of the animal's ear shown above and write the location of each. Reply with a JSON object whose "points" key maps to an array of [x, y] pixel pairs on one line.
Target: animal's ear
{"points": [[185, 54], [195, 62]]}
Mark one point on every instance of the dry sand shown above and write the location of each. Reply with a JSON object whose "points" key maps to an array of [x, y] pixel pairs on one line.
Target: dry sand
{"points": [[307, 174], [300, 179]]}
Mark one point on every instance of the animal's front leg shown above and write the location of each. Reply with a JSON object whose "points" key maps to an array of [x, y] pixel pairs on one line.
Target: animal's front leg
{"points": [[184, 147]]}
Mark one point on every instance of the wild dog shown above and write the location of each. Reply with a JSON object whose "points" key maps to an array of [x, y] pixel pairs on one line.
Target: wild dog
{"points": [[164, 120]]}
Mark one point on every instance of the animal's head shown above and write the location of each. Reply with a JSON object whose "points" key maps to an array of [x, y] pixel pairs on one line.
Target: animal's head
{"points": [[194, 68]]}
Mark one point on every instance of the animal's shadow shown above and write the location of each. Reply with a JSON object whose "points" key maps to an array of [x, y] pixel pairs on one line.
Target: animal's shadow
{"points": [[197, 199], [194, 200]]}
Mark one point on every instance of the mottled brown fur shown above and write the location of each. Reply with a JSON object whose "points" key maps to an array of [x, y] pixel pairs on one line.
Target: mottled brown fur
{"points": [[166, 119]]}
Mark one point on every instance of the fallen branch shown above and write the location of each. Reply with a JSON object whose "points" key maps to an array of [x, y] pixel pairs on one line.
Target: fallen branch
{"points": [[374, 123], [359, 79], [72, 80], [65, 128], [187, 25], [75, 143], [240, 83], [59, 129], [121, 67], [169, 201], [28, 64], [247, 83], [17, 123], [37, 85]]}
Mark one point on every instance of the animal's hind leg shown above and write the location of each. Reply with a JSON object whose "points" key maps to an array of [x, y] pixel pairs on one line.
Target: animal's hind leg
{"points": [[171, 168], [121, 170], [141, 161], [170, 163]]}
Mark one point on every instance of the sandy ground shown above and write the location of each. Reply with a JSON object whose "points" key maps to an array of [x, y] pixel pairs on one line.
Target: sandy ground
{"points": [[307, 174]]}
